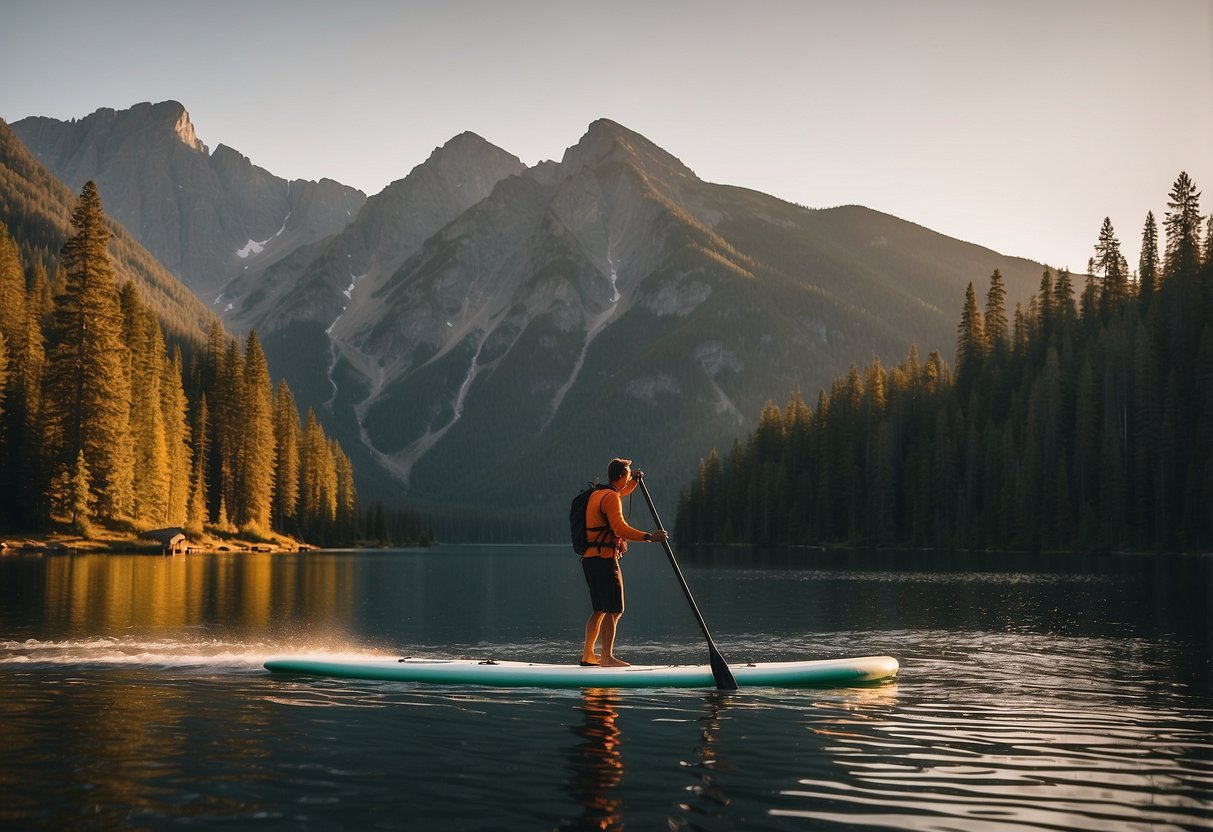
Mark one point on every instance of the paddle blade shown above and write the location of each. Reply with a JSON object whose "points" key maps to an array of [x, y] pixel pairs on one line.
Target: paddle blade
{"points": [[720, 671]]}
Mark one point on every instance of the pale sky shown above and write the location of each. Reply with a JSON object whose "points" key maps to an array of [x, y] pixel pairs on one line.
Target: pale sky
{"points": [[1018, 126]]}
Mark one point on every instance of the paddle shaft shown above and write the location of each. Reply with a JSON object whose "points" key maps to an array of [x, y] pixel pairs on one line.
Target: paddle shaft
{"points": [[720, 668]]}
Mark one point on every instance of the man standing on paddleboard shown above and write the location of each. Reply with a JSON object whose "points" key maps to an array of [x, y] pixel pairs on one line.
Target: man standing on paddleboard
{"points": [[608, 535]]}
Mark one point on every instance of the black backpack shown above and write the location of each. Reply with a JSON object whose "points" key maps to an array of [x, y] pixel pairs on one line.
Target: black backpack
{"points": [[577, 525]]}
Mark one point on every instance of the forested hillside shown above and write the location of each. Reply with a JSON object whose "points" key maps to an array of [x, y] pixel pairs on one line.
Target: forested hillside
{"points": [[1079, 422], [102, 423]]}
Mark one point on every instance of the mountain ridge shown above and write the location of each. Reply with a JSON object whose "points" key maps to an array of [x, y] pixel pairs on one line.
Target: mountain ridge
{"points": [[477, 315]]}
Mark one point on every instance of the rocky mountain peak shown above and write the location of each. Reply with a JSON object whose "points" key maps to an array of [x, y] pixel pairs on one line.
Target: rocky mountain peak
{"points": [[170, 116], [606, 140], [184, 128]]}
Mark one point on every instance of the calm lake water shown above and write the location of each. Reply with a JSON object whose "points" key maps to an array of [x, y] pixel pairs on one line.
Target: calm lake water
{"points": [[1058, 693]]}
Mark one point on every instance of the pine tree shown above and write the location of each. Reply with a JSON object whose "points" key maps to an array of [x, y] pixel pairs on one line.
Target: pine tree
{"points": [[174, 407], [226, 431], [286, 458], [1147, 265], [1111, 264], [997, 335], [346, 496], [317, 480], [196, 514], [13, 335], [970, 342], [142, 336], [256, 470], [1063, 301], [1183, 229], [12, 292], [87, 392], [81, 506]]}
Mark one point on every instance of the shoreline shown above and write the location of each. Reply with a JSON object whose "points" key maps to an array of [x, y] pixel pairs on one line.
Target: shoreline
{"points": [[113, 542]]}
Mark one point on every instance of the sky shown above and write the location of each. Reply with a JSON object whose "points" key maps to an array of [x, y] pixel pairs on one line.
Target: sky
{"points": [[1017, 126]]}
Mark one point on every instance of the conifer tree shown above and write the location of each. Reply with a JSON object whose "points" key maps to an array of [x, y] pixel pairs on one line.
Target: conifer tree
{"points": [[142, 336], [1063, 300], [1111, 265], [25, 462], [87, 392], [346, 518], [286, 458], [226, 435], [1183, 229], [174, 407], [12, 292], [1147, 264], [317, 479], [996, 329], [256, 466], [13, 335], [197, 514], [970, 341], [82, 500]]}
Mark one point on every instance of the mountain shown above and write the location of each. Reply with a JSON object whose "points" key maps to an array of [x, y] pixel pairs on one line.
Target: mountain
{"points": [[483, 337], [208, 217], [614, 303], [36, 207]]}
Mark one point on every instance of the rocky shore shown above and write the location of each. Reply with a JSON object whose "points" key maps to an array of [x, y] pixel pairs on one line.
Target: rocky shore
{"points": [[128, 542]]}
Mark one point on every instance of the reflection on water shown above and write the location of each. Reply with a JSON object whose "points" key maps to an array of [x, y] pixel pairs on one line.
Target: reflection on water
{"points": [[598, 761], [939, 769], [105, 593], [132, 696]]}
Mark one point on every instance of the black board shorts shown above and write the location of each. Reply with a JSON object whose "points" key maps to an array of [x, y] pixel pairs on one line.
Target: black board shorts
{"points": [[605, 581]]}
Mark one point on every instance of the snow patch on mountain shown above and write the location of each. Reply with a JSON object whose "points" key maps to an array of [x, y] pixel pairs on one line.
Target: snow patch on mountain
{"points": [[254, 247]]}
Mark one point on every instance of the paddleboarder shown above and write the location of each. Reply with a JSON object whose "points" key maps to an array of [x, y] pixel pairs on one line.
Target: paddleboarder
{"points": [[608, 534]]}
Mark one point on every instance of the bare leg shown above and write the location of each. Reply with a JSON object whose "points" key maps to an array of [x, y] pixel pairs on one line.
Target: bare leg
{"points": [[609, 625], [592, 626]]}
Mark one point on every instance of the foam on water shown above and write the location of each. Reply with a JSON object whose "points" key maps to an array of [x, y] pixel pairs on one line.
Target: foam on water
{"points": [[137, 651]]}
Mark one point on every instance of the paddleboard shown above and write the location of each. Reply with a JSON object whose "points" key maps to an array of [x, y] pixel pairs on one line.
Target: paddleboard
{"points": [[818, 673]]}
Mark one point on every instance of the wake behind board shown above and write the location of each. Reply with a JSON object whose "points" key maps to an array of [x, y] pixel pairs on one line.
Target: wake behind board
{"points": [[819, 673]]}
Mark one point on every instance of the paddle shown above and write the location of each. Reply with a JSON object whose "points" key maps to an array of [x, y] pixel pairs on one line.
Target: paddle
{"points": [[720, 668]]}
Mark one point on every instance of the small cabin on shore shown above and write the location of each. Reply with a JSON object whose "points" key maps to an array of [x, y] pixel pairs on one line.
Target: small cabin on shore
{"points": [[172, 541]]}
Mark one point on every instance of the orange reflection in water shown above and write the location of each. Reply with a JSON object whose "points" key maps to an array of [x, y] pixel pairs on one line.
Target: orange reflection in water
{"points": [[598, 762], [90, 594]]}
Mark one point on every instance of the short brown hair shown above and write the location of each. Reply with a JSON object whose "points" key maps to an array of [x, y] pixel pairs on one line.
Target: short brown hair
{"points": [[616, 469]]}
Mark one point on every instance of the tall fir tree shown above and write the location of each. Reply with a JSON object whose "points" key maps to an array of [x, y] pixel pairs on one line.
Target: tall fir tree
{"points": [[1110, 263], [87, 390], [256, 473], [142, 336], [1182, 223], [197, 513], [286, 458], [970, 342], [1147, 263], [175, 407], [997, 335]]}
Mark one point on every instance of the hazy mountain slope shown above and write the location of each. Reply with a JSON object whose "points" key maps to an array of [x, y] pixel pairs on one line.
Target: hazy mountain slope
{"points": [[207, 217], [37, 209]]}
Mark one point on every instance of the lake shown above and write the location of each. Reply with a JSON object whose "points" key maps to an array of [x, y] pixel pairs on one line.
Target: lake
{"points": [[1036, 692]]}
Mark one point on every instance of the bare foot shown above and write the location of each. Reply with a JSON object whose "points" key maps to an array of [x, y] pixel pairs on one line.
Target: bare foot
{"points": [[612, 661], [592, 661]]}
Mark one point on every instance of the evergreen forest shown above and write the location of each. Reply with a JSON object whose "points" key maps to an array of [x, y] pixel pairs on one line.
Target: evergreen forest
{"points": [[1083, 421], [104, 423]]}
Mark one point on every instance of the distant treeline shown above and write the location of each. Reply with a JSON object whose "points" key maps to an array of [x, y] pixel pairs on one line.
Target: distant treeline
{"points": [[1084, 422], [101, 423]]}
